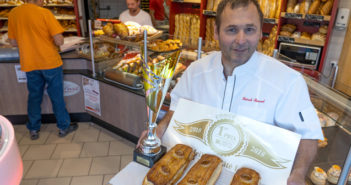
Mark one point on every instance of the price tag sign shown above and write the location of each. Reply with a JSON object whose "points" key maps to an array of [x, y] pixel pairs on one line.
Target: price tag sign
{"points": [[209, 12], [269, 21], [314, 17], [178, 1], [293, 15], [286, 39]]}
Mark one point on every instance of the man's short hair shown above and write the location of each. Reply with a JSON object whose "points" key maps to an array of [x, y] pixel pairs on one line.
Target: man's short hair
{"points": [[235, 4]]}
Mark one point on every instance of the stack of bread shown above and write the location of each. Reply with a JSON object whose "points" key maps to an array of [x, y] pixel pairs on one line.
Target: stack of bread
{"points": [[270, 8], [267, 46], [183, 24], [212, 5], [321, 34], [194, 31], [322, 7], [287, 30], [210, 42], [68, 24]]}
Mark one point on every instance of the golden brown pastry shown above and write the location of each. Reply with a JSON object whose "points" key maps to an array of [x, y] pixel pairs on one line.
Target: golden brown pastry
{"points": [[209, 5], [334, 174], [272, 8], [291, 5], [323, 29], [285, 33], [171, 166], [314, 7], [279, 5], [318, 176], [322, 143], [108, 29], [121, 29], [326, 8], [246, 176], [205, 172], [305, 35], [318, 36], [288, 27]]}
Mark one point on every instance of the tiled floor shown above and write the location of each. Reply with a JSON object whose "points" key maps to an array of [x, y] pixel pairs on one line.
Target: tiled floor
{"points": [[90, 156]]}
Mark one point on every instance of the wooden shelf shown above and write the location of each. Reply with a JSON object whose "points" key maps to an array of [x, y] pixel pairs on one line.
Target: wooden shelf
{"points": [[5, 28], [65, 17], [3, 18], [71, 30], [187, 1], [59, 5], [300, 41], [311, 17]]}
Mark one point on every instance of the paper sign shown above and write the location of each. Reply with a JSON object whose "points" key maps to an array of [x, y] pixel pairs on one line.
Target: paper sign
{"points": [[91, 95], [21, 76], [239, 141]]}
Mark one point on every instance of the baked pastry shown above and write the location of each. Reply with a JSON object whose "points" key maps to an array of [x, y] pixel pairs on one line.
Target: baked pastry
{"points": [[121, 29], [279, 5], [305, 35], [314, 7], [108, 29], [171, 166], [290, 6], [334, 174], [150, 30], [285, 33], [318, 176], [288, 27], [326, 8], [318, 36], [205, 172], [296, 34], [323, 29], [245, 176], [323, 143]]}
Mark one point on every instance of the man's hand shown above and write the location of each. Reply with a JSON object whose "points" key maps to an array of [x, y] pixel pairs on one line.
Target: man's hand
{"points": [[13, 42], [58, 39], [142, 136]]}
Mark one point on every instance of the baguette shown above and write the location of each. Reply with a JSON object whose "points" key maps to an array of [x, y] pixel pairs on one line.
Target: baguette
{"points": [[170, 167], [314, 7], [205, 172]]}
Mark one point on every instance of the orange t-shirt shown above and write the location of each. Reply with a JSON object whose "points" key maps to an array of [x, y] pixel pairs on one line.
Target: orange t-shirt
{"points": [[33, 27]]}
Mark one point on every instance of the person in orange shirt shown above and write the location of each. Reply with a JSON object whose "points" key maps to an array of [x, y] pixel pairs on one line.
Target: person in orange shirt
{"points": [[38, 34]]}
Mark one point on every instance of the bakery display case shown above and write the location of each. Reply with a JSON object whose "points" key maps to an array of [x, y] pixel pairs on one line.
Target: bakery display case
{"points": [[334, 112]]}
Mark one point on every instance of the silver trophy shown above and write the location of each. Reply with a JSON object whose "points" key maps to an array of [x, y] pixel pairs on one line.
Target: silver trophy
{"points": [[159, 61]]}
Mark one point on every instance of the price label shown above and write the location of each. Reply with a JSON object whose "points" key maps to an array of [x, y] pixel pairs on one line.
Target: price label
{"points": [[309, 23], [314, 17], [178, 1], [209, 12], [269, 21], [286, 39], [293, 15]]}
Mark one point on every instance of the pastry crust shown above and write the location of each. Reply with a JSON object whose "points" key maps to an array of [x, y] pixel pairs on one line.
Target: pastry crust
{"points": [[326, 8], [318, 176], [205, 172], [334, 174], [170, 167], [246, 176], [314, 7]]}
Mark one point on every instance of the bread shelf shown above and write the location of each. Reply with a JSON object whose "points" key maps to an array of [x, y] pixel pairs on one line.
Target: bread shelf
{"points": [[312, 17], [71, 30], [3, 18], [187, 1], [300, 41], [65, 17], [3, 29]]}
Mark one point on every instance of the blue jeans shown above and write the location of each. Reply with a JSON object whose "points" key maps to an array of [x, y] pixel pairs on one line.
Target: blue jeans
{"points": [[36, 81]]}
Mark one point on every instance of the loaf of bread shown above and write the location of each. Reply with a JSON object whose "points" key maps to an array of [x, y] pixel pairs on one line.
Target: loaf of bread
{"points": [[245, 176], [291, 6], [288, 27], [326, 8], [277, 12], [205, 172], [305, 35], [314, 7], [171, 166]]}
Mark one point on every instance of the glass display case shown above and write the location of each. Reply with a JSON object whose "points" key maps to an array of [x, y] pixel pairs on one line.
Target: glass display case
{"points": [[334, 112]]}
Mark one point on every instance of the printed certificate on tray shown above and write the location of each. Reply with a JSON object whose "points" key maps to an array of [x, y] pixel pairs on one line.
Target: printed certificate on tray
{"points": [[239, 141]]}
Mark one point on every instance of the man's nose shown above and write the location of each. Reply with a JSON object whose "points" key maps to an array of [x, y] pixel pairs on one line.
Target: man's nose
{"points": [[240, 37]]}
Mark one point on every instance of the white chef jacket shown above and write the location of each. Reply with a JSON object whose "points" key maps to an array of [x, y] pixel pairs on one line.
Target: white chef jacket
{"points": [[143, 18], [263, 89]]}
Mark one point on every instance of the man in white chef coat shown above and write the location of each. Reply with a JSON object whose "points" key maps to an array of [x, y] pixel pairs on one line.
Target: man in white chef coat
{"points": [[245, 82]]}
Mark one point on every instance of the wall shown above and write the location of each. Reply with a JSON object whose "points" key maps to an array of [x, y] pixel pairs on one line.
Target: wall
{"points": [[117, 7], [336, 42]]}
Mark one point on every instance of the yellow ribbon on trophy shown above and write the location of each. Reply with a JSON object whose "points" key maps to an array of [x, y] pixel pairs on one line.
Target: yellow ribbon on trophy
{"points": [[227, 138]]}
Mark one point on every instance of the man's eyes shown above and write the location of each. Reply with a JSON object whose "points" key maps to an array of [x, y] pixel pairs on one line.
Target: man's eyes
{"points": [[248, 30]]}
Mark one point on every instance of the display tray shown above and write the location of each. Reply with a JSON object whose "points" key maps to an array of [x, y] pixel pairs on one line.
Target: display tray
{"points": [[129, 42], [83, 51], [122, 78]]}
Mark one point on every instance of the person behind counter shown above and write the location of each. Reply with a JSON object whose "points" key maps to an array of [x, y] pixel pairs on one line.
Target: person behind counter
{"points": [[245, 82], [158, 12], [135, 14], [37, 34]]}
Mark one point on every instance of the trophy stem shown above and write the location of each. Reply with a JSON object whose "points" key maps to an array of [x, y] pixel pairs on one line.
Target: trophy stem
{"points": [[151, 145]]}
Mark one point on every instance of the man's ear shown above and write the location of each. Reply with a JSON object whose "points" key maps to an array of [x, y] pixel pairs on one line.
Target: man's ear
{"points": [[215, 31]]}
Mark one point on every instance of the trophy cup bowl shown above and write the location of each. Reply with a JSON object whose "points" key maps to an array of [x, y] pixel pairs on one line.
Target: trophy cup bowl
{"points": [[159, 61]]}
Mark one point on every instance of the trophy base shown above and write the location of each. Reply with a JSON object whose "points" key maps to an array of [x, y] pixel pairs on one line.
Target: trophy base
{"points": [[146, 160]]}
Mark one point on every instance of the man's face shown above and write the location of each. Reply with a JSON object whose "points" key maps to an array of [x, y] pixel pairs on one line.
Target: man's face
{"points": [[133, 5], [239, 33]]}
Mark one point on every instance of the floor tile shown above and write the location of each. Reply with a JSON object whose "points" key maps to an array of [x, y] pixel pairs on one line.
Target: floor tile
{"points": [[55, 181], [44, 169], [20, 128], [75, 167], [51, 127], [87, 180], [54, 138], [86, 135], [121, 148], [85, 125], [125, 159], [19, 136], [36, 152], [106, 135], [23, 149], [69, 150], [105, 165], [29, 182], [43, 135], [95, 149], [26, 166], [107, 178]]}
